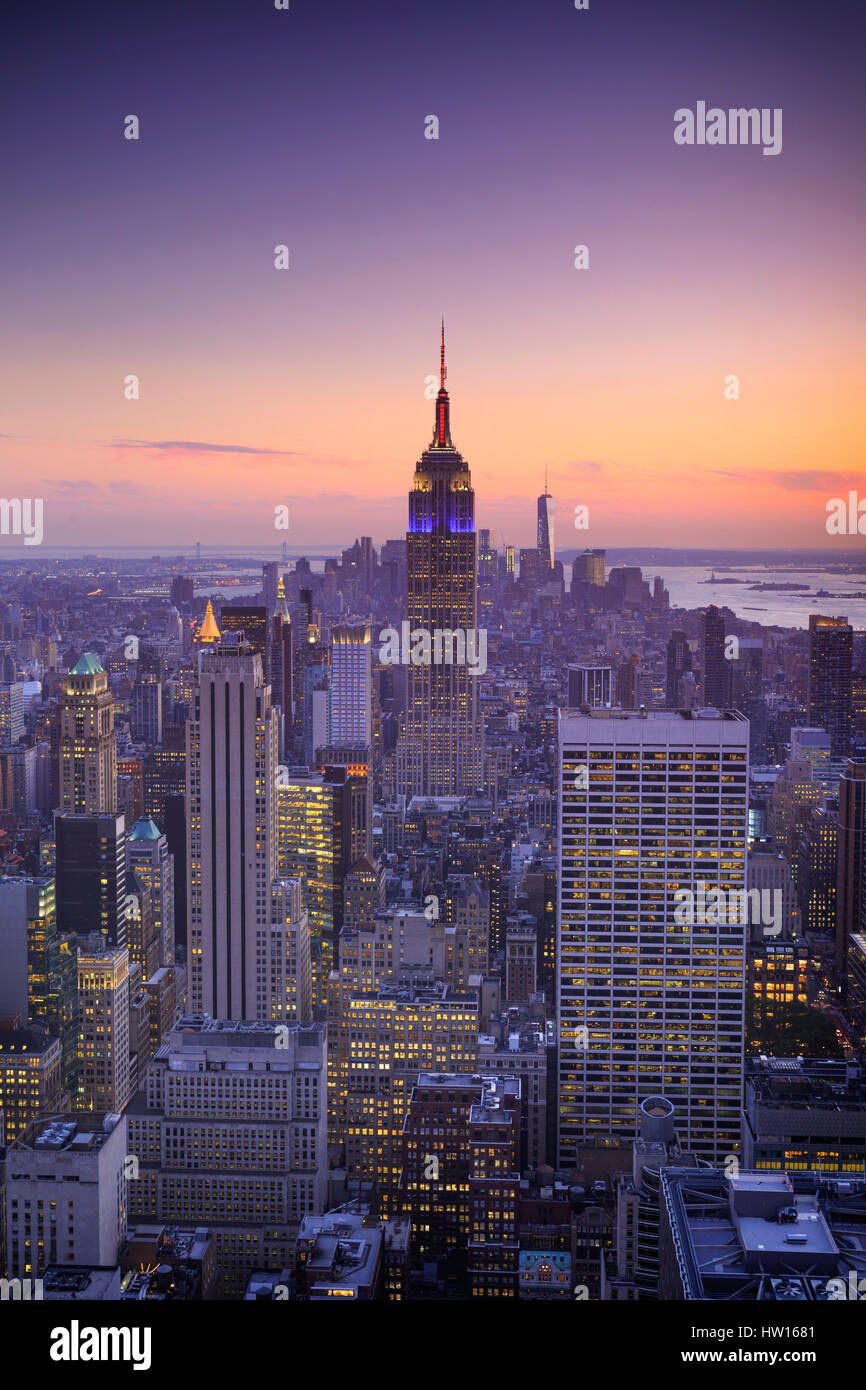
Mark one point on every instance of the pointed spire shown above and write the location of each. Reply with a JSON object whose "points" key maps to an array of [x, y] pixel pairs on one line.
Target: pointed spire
{"points": [[281, 607], [442, 370], [208, 632], [442, 425]]}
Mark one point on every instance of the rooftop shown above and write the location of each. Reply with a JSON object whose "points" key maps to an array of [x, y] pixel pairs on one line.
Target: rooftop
{"points": [[87, 665]]}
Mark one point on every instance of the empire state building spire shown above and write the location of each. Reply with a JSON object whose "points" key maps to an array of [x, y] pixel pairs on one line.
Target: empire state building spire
{"points": [[442, 426]]}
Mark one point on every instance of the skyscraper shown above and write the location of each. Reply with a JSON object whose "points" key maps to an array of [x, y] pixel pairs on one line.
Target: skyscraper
{"points": [[351, 684], [441, 750], [315, 846], [232, 848], [103, 1031], [281, 673], [679, 660], [147, 710], [270, 580], [11, 712], [152, 863], [546, 553], [717, 671], [256, 628], [91, 875], [651, 991], [851, 862], [830, 665], [88, 748]]}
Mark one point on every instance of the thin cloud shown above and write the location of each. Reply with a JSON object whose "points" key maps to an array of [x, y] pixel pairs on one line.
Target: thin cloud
{"points": [[795, 480], [192, 446]]}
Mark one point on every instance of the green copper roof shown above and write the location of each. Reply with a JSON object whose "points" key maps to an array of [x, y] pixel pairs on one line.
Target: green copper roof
{"points": [[87, 665], [144, 829]]}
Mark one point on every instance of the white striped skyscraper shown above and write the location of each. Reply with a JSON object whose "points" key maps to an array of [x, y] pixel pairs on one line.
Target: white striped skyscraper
{"points": [[649, 1004]]}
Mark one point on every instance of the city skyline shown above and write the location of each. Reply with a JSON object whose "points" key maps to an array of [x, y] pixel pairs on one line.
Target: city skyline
{"points": [[433, 863]]}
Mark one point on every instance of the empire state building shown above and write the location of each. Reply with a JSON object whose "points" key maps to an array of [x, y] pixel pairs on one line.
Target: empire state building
{"points": [[441, 749]]}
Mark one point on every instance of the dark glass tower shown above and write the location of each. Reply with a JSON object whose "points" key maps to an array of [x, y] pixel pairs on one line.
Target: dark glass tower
{"points": [[441, 752], [717, 671], [830, 660]]}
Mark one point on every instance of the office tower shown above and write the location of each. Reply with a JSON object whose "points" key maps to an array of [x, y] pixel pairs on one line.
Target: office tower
{"points": [[778, 976], [164, 773], [271, 579], [255, 625], [441, 750], [851, 861], [651, 988], [152, 863], [286, 981], [796, 792], [546, 551], [387, 1037], [20, 901], [162, 1010], [88, 749], [679, 661], [588, 572], [717, 669], [314, 818], [130, 787], [769, 872], [467, 907], [37, 964], [363, 891], [493, 1249], [358, 566], [351, 684], [141, 935], [521, 958], [18, 774], [830, 675], [52, 984], [537, 895], [815, 746], [232, 850], [66, 1194], [815, 869], [282, 671], [626, 680], [91, 875], [590, 685], [358, 772], [11, 713], [459, 1180], [531, 575], [182, 591], [229, 1132], [31, 1075], [147, 710], [103, 1030], [315, 706], [487, 558], [747, 673]]}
